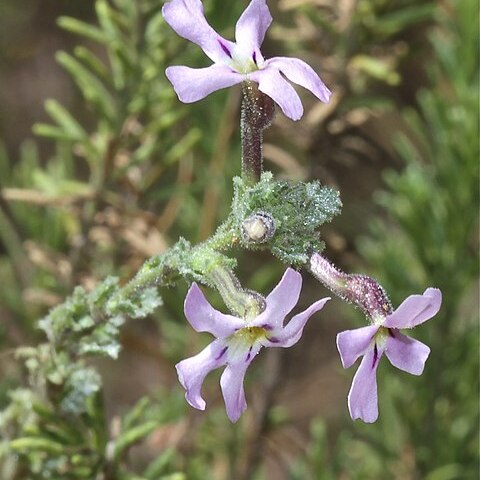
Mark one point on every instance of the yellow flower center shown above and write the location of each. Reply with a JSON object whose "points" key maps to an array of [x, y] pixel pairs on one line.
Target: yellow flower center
{"points": [[250, 335], [381, 336], [242, 341]]}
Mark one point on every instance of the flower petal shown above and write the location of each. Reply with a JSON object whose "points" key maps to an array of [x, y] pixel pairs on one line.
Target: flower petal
{"points": [[351, 344], [192, 371], [192, 84], [271, 83], [299, 72], [415, 309], [204, 318], [253, 24], [281, 300], [186, 17], [363, 398], [291, 333], [406, 353], [231, 382]]}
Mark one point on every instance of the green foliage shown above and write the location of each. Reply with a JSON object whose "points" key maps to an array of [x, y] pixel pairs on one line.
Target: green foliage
{"points": [[298, 210], [119, 165], [428, 426], [432, 207]]}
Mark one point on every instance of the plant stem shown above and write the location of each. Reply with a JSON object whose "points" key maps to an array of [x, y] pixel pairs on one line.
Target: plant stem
{"points": [[170, 266], [257, 115], [363, 291], [241, 302]]}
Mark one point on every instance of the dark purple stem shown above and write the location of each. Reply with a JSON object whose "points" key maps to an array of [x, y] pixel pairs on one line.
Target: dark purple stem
{"points": [[257, 115]]}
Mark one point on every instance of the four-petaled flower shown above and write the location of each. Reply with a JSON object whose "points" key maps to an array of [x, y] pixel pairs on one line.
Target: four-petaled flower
{"points": [[239, 61], [382, 337], [238, 340]]}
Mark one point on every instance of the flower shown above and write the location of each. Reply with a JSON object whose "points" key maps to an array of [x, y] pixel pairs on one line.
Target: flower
{"points": [[235, 62], [384, 336], [238, 340]]}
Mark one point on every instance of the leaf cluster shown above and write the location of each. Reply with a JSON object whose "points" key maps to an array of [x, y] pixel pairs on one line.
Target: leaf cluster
{"points": [[298, 210]]}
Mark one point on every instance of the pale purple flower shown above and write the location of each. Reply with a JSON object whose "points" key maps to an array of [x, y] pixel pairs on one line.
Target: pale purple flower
{"points": [[238, 340], [384, 336], [235, 62]]}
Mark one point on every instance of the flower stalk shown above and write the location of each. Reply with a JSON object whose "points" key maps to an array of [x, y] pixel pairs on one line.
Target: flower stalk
{"points": [[361, 290], [241, 302], [257, 115]]}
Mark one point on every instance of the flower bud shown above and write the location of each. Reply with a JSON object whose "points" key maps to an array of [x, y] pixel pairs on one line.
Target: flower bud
{"points": [[258, 228]]}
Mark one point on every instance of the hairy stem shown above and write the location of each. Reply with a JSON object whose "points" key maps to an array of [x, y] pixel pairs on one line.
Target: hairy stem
{"points": [[183, 260], [257, 115], [361, 290], [242, 302]]}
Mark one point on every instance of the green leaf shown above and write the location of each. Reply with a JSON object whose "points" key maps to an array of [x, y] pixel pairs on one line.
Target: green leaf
{"points": [[397, 21], [158, 466], [182, 146], [92, 88], [132, 436], [376, 68], [297, 210], [81, 28], [25, 444], [136, 413], [65, 120], [80, 385], [93, 63], [120, 53], [50, 131]]}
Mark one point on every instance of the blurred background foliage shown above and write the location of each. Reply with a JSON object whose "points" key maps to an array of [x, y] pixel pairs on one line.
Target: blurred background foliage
{"points": [[117, 169]]}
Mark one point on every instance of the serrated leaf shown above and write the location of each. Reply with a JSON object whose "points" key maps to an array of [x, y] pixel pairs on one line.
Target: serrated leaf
{"points": [[81, 384], [103, 291]]}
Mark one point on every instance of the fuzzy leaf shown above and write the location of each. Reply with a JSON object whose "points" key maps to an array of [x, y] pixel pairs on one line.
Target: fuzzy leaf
{"points": [[298, 210], [81, 384]]}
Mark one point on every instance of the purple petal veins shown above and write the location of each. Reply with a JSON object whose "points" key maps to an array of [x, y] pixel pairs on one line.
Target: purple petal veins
{"points": [[222, 353], [266, 326], [375, 355], [225, 48], [245, 338], [403, 352], [187, 18]]}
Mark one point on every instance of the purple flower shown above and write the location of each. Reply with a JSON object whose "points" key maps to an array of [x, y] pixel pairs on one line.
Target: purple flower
{"points": [[384, 336], [235, 62], [238, 340]]}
